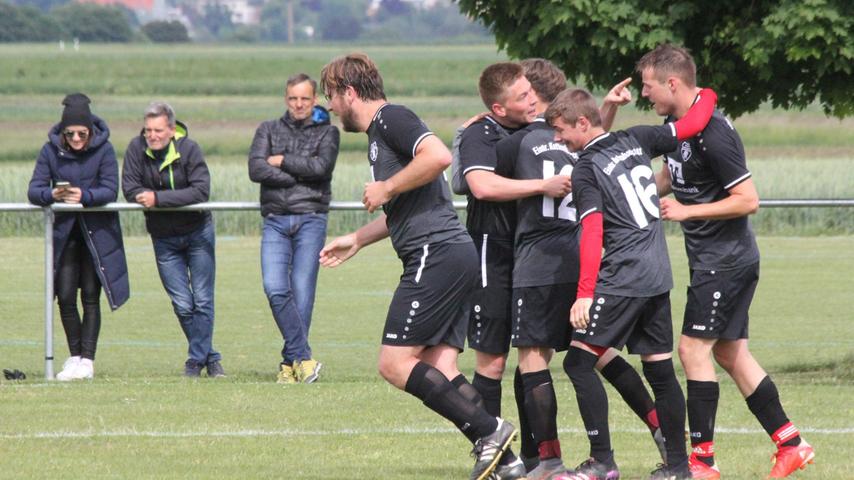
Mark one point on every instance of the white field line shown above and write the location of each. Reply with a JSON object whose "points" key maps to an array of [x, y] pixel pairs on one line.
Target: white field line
{"points": [[338, 432]]}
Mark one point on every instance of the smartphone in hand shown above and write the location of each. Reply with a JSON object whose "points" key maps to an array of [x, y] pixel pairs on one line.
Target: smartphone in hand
{"points": [[62, 184]]}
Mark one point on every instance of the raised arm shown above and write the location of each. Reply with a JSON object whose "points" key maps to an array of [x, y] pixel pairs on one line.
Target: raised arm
{"points": [[618, 96], [698, 115]]}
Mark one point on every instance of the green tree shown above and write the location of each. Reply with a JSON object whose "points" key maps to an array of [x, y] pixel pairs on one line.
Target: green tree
{"points": [[788, 52], [26, 24], [162, 31], [93, 23], [217, 18], [341, 19]]}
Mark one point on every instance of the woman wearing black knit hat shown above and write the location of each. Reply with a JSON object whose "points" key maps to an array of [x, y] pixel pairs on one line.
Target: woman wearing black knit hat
{"points": [[78, 165]]}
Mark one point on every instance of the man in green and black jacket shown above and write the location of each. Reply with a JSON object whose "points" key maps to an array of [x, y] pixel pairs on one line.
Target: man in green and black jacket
{"points": [[165, 168]]}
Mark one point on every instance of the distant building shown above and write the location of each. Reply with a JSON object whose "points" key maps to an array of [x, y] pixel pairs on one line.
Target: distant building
{"points": [[242, 11]]}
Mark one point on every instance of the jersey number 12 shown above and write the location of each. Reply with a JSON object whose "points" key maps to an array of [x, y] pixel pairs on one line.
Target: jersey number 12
{"points": [[564, 211]]}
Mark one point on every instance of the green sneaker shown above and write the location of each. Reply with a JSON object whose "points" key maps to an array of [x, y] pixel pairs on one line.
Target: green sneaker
{"points": [[286, 374], [307, 371]]}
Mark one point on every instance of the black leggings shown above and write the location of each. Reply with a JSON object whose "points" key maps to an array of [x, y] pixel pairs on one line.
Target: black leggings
{"points": [[77, 270]]}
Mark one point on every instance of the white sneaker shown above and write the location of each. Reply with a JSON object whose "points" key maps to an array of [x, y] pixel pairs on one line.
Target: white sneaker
{"points": [[67, 368], [71, 361], [84, 369]]}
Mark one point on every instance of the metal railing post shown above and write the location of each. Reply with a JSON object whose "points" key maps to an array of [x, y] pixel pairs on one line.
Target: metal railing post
{"points": [[48, 293]]}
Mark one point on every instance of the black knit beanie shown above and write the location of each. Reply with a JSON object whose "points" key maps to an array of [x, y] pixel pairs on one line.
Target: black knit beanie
{"points": [[76, 111]]}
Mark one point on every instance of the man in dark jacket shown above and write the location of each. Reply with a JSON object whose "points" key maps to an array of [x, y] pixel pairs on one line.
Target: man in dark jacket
{"points": [[292, 158], [164, 168]]}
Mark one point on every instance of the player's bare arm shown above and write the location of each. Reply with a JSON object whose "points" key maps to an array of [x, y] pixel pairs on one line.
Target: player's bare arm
{"points": [[480, 116], [491, 187], [431, 159], [742, 200], [618, 96], [342, 248], [662, 181]]}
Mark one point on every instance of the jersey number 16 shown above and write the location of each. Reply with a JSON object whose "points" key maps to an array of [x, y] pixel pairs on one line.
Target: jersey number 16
{"points": [[640, 197]]}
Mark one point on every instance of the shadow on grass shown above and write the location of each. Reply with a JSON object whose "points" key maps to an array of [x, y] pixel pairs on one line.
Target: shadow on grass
{"points": [[839, 371]]}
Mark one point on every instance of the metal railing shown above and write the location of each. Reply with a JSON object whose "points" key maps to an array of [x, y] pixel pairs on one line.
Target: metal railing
{"points": [[49, 213]]}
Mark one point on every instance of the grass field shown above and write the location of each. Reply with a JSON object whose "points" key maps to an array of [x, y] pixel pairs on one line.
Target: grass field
{"points": [[140, 419]]}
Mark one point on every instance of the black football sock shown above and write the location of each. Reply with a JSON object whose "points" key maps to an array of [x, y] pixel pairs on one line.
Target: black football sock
{"points": [[625, 379], [528, 447], [490, 390], [439, 395], [470, 392], [670, 405], [764, 402], [592, 400], [467, 390], [702, 409], [541, 408]]}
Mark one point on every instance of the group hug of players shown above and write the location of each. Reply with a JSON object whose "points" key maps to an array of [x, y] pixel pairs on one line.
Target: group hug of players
{"points": [[549, 188]]}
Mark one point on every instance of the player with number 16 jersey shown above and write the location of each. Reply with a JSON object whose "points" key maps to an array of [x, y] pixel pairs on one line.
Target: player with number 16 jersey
{"points": [[616, 197]]}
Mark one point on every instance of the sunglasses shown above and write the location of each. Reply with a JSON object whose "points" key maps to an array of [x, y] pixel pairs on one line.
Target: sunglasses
{"points": [[82, 135]]}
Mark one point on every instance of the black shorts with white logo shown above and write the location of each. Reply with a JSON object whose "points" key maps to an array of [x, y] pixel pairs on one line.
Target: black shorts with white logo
{"points": [[431, 303], [719, 301], [489, 316], [643, 324], [541, 316]]}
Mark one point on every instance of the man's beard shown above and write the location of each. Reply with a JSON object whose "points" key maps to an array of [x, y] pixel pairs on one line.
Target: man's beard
{"points": [[349, 122]]}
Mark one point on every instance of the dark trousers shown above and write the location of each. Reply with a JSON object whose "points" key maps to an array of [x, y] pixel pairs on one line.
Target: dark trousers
{"points": [[77, 271]]}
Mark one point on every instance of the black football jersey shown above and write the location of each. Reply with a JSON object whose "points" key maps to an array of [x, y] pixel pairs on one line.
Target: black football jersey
{"points": [[547, 234], [477, 152], [614, 176], [425, 214], [702, 170]]}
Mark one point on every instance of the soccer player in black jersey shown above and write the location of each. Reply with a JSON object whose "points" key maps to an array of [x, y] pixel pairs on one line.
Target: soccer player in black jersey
{"points": [[545, 274], [626, 301], [714, 194], [491, 222], [425, 327]]}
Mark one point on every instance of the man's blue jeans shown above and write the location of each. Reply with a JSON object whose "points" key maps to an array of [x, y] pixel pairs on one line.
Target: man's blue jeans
{"points": [[290, 246], [187, 268]]}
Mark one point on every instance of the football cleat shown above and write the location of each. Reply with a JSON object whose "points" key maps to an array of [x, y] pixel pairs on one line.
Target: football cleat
{"points": [[592, 469], [667, 472], [512, 471], [548, 469], [488, 450], [788, 459], [699, 470]]}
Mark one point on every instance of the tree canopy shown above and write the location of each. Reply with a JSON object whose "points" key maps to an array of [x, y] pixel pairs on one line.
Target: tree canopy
{"points": [[161, 31], [787, 52]]}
